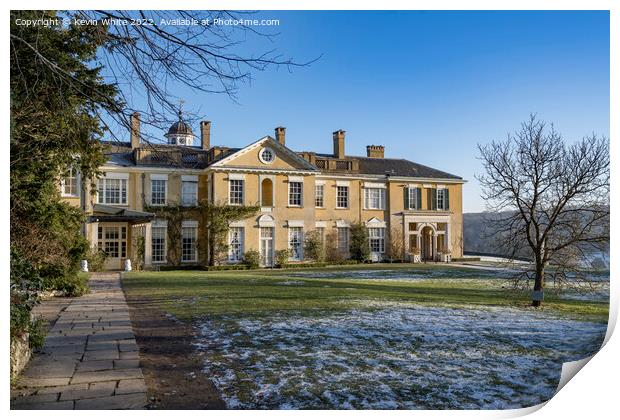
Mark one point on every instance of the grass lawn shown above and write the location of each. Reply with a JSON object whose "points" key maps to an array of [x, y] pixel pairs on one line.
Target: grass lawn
{"points": [[191, 294], [380, 336]]}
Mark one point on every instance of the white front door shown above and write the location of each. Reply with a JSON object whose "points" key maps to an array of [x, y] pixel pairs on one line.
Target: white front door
{"points": [[266, 246]]}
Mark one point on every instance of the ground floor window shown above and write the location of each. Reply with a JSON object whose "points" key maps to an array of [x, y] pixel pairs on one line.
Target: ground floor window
{"points": [[295, 242], [158, 244], [376, 238], [235, 244], [188, 243], [343, 239]]}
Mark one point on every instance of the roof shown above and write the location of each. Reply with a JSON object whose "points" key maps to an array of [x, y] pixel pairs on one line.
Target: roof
{"points": [[400, 167], [118, 214], [180, 127], [395, 167], [192, 157]]}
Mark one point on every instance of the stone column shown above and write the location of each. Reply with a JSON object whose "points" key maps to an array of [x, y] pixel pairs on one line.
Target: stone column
{"points": [[94, 232], [148, 257]]}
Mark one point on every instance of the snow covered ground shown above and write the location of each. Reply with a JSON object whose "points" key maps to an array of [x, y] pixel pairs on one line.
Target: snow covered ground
{"points": [[388, 355]]}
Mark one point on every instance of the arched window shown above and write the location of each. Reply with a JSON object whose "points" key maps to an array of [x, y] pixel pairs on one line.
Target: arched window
{"points": [[266, 193]]}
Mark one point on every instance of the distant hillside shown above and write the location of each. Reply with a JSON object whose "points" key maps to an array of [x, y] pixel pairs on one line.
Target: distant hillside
{"points": [[478, 238]]}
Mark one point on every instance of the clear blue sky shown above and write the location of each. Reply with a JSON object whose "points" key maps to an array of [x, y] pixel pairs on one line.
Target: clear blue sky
{"points": [[427, 85]]}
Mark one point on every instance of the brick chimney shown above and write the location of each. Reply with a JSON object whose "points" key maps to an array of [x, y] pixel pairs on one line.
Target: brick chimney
{"points": [[135, 130], [281, 135], [205, 134], [339, 144], [373, 151]]}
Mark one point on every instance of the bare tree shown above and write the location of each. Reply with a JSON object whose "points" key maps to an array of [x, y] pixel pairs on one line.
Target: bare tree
{"points": [[552, 197], [150, 54]]}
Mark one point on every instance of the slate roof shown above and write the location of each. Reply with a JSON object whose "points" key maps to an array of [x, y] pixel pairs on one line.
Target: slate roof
{"points": [[400, 167], [395, 167], [192, 157]]}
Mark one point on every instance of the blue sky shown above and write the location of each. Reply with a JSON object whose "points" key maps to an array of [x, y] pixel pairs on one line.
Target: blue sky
{"points": [[427, 85]]}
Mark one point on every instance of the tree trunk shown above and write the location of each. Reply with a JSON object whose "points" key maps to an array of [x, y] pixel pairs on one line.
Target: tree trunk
{"points": [[539, 280]]}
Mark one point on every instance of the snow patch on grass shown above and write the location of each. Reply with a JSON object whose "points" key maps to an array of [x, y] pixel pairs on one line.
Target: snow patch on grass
{"points": [[390, 356]]}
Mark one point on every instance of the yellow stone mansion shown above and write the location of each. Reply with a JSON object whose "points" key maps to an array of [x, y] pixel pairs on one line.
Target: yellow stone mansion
{"points": [[297, 192]]}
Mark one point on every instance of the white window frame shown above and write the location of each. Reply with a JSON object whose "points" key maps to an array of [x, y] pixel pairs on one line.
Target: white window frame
{"points": [[159, 228], [412, 198], [376, 234], [441, 199], [236, 255], [296, 232], [73, 175], [340, 188], [374, 198], [184, 193], [319, 196], [159, 181], [299, 184], [102, 186], [343, 233], [189, 226], [268, 150], [236, 198]]}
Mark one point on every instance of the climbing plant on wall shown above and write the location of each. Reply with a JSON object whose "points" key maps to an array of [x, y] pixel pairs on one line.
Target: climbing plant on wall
{"points": [[214, 218]]}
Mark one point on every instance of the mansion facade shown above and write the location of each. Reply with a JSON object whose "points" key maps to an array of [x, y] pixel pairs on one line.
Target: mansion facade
{"points": [[296, 192]]}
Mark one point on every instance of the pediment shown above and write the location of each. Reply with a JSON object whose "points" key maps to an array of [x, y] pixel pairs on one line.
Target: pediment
{"points": [[266, 154]]}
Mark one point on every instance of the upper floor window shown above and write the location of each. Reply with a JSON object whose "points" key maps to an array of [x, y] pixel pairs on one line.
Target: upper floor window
{"points": [[112, 191], [70, 186], [414, 198], [235, 195], [342, 197], [374, 198], [295, 190], [158, 192], [266, 155], [189, 193], [441, 199], [319, 195]]}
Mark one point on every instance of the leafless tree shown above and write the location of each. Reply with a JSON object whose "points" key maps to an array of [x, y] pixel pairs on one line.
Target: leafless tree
{"points": [[552, 197], [150, 54]]}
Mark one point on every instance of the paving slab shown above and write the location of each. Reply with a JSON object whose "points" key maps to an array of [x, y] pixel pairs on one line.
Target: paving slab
{"points": [[90, 359]]}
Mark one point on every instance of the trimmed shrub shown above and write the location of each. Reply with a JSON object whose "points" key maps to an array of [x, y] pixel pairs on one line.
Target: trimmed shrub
{"points": [[281, 257], [314, 246], [360, 248], [252, 259]]}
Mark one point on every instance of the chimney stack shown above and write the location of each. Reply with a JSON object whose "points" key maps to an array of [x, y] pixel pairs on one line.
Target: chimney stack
{"points": [[373, 151], [281, 135], [205, 134], [135, 130], [339, 144]]}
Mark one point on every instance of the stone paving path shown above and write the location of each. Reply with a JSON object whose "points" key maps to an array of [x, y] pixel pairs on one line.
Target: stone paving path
{"points": [[90, 358]]}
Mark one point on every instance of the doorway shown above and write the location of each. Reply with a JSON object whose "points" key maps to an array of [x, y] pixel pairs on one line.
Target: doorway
{"points": [[266, 246], [427, 245]]}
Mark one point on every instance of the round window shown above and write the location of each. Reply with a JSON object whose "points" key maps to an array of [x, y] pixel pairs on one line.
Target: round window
{"points": [[266, 155]]}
